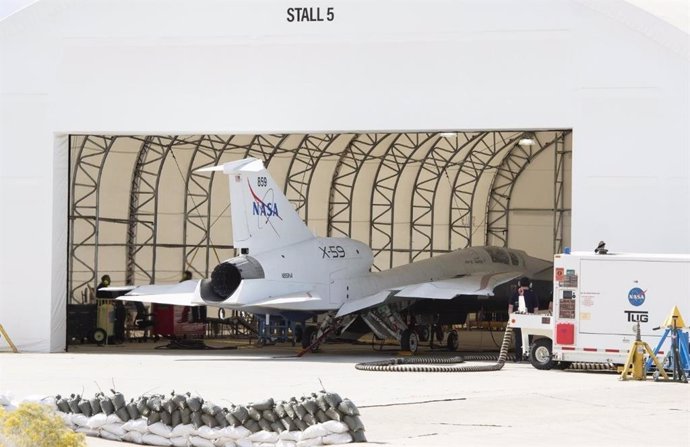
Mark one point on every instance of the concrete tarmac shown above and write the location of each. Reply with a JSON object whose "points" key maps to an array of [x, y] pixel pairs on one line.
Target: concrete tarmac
{"points": [[515, 406]]}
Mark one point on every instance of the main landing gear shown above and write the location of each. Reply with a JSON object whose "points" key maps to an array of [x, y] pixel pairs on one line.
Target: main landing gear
{"points": [[387, 322]]}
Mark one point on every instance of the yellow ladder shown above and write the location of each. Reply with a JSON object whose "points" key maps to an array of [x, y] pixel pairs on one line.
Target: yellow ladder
{"points": [[7, 337]]}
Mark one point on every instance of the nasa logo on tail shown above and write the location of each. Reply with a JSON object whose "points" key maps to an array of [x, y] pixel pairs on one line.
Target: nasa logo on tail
{"points": [[264, 208]]}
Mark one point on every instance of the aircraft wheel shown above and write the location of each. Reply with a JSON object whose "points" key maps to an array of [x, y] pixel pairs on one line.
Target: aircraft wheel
{"points": [[309, 336], [99, 336], [409, 341], [453, 341], [540, 354]]}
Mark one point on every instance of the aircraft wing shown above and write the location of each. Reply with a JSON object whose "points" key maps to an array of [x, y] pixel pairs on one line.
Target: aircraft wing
{"points": [[179, 294], [446, 289]]}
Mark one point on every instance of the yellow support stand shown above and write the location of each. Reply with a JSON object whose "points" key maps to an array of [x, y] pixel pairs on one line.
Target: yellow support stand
{"points": [[634, 366], [7, 337]]}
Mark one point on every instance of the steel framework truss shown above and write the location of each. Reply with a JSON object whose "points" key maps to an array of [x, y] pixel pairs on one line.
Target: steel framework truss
{"points": [[407, 174]]}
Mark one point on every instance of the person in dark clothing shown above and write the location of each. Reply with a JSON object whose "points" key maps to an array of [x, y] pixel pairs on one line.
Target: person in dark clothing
{"points": [[531, 303], [105, 282]]}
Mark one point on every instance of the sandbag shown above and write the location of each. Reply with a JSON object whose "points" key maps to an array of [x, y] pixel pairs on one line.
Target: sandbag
{"points": [[115, 429], [232, 420], [88, 431], [265, 425], [152, 439], [240, 413], [333, 414], [166, 418], [209, 420], [315, 431], [333, 399], [196, 419], [354, 423], [244, 443], [73, 403], [280, 410], [79, 420], [321, 416], [132, 410], [264, 436], [337, 438], [180, 400], [254, 413], [310, 406], [309, 442], [358, 436], [264, 404], [122, 413], [97, 421], [153, 417], [208, 432], [95, 405], [335, 427], [175, 418], [107, 405], [210, 408], [138, 425], [289, 424], [118, 400], [168, 405], [133, 436], [238, 432], [198, 441], [109, 436], [181, 441], [347, 407], [322, 404], [269, 415], [194, 403], [114, 419], [161, 429], [284, 443], [85, 408], [186, 415], [183, 430]]}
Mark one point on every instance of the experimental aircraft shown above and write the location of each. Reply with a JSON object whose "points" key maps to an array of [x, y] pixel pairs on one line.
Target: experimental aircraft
{"points": [[284, 269]]}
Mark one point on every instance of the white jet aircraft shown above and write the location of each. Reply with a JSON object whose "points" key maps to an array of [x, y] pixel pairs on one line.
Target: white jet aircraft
{"points": [[286, 270]]}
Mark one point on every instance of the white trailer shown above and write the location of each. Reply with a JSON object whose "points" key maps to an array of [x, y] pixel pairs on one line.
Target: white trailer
{"points": [[597, 301]]}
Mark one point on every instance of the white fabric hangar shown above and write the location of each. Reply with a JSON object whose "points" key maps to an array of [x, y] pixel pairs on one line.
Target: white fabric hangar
{"points": [[614, 75]]}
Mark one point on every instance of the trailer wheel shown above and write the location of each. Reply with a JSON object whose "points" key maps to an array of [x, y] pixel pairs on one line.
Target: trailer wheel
{"points": [[99, 336], [452, 342], [409, 341], [309, 335], [540, 354]]}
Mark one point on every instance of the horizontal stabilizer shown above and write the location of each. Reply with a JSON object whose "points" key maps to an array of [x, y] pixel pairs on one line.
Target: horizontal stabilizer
{"points": [[179, 294]]}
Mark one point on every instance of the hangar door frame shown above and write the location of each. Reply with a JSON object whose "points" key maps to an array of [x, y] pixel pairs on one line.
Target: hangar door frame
{"points": [[430, 155]]}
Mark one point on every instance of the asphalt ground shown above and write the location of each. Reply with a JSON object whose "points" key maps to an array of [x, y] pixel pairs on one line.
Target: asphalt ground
{"points": [[516, 406]]}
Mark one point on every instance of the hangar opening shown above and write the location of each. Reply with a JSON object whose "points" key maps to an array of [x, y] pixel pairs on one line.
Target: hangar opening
{"points": [[142, 213]]}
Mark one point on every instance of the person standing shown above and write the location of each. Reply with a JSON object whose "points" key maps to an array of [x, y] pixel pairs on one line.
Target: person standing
{"points": [[531, 303], [105, 282]]}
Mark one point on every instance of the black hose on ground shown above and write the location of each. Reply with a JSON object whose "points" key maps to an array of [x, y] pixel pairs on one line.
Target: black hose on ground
{"points": [[439, 364]]}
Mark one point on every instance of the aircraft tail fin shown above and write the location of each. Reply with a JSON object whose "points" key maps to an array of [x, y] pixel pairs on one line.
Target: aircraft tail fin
{"points": [[262, 217]]}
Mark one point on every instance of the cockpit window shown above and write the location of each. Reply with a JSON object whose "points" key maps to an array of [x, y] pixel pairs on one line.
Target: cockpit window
{"points": [[498, 255], [513, 258]]}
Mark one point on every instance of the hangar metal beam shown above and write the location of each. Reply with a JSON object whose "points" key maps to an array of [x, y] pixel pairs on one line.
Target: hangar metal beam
{"points": [[503, 183], [478, 160], [345, 175], [385, 189], [432, 170]]}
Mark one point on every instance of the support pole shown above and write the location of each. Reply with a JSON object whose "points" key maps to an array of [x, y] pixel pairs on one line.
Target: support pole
{"points": [[9, 341]]}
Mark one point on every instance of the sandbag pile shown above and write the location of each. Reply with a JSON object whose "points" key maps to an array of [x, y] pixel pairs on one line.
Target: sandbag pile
{"points": [[188, 420]]}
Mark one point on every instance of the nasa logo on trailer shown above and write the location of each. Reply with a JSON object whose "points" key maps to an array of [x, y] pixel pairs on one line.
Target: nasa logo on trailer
{"points": [[636, 296]]}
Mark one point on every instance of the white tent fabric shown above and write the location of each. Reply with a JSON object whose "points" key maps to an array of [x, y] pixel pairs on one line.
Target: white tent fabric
{"points": [[614, 74]]}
